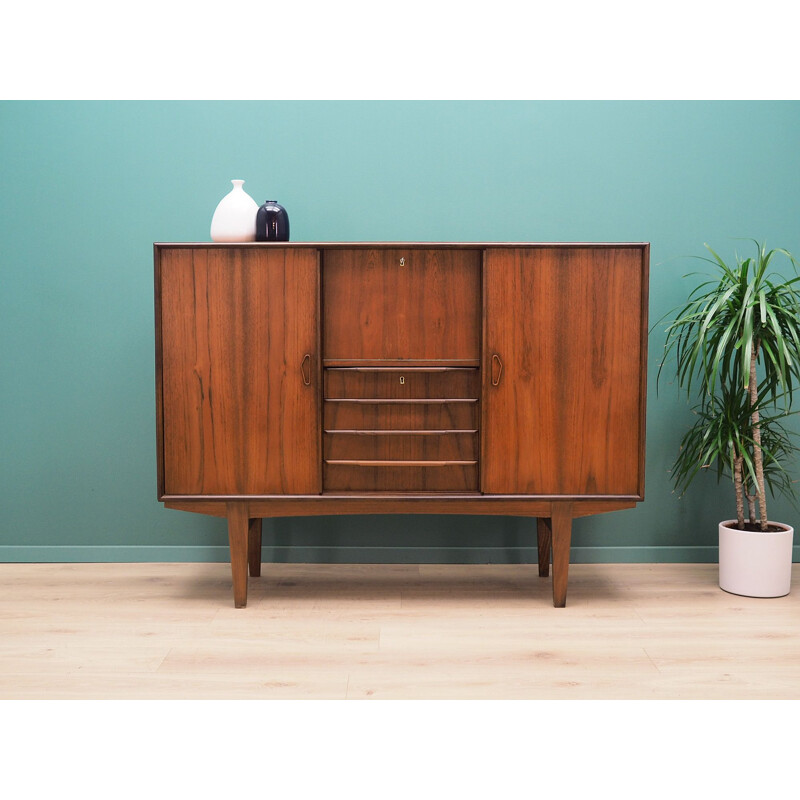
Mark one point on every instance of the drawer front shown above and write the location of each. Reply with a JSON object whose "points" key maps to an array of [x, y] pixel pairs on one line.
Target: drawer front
{"points": [[363, 415], [367, 476], [390, 382], [398, 428], [409, 303], [401, 446]]}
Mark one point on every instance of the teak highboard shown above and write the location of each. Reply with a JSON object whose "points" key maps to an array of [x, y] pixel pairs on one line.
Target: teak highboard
{"points": [[303, 378]]}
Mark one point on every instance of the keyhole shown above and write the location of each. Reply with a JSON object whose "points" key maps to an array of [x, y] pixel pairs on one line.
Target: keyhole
{"points": [[402, 379], [402, 262]]}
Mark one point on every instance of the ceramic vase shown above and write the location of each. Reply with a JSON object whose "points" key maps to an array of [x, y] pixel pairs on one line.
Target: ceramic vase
{"points": [[234, 219], [272, 223]]}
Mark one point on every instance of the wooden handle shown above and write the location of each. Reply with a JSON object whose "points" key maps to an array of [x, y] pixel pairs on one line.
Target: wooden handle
{"points": [[304, 365], [496, 360], [388, 463]]}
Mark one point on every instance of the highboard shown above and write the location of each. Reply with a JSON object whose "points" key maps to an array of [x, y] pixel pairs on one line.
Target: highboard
{"points": [[306, 378]]}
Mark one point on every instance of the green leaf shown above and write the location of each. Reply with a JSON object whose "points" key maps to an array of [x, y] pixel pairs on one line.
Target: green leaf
{"points": [[743, 309]]}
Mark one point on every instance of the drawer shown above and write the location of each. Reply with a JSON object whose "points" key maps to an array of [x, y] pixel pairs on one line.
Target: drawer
{"points": [[370, 476], [401, 446], [396, 382], [400, 415], [401, 303]]}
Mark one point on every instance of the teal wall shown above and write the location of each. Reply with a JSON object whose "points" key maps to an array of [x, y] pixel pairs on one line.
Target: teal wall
{"points": [[87, 187]]}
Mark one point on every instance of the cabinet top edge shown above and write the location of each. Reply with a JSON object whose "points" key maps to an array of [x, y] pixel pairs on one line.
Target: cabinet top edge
{"points": [[367, 245]]}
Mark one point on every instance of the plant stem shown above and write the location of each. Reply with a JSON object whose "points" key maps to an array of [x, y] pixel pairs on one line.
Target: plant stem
{"points": [[758, 460], [737, 481], [751, 500], [751, 504]]}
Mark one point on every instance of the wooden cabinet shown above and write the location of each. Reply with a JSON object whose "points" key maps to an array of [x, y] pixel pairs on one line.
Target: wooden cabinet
{"points": [[325, 378]]}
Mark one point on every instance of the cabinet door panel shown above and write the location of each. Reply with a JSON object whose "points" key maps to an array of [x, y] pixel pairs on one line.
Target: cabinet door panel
{"points": [[240, 366], [563, 344], [409, 304]]}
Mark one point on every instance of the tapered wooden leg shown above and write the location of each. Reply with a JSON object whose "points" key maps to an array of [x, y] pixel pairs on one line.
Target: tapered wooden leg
{"points": [[254, 547], [561, 526], [238, 525], [544, 536]]}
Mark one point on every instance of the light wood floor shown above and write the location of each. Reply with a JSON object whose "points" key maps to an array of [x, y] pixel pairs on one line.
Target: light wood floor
{"points": [[629, 631]]}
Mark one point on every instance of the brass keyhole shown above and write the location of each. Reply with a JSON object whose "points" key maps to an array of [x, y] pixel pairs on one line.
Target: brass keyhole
{"points": [[402, 262], [402, 379]]}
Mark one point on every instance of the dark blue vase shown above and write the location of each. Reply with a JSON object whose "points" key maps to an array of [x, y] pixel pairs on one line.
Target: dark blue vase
{"points": [[272, 223]]}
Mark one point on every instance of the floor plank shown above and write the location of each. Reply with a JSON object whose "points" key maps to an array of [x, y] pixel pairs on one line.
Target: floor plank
{"points": [[629, 631]]}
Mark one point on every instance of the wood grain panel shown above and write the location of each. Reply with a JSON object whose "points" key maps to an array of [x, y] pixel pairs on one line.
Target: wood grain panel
{"points": [[238, 330], [394, 478], [402, 383], [401, 446], [428, 307], [400, 416], [348, 502], [563, 341], [383, 363]]}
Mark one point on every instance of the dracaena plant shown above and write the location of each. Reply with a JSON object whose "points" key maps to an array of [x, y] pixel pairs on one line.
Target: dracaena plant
{"points": [[736, 342]]}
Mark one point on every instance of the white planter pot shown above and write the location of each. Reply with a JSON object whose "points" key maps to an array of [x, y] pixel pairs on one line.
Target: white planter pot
{"points": [[755, 564], [234, 219]]}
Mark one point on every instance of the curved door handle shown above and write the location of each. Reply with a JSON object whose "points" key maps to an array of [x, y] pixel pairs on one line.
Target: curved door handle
{"points": [[305, 369], [496, 378]]}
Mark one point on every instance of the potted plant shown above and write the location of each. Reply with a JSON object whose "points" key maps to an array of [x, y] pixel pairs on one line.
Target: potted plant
{"points": [[736, 342]]}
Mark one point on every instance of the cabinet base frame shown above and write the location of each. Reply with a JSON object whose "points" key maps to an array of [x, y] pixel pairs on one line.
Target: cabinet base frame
{"points": [[554, 522]]}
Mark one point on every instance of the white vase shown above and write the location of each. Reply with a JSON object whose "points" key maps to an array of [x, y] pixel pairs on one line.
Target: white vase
{"points": [[234, 219], [755, 563]]}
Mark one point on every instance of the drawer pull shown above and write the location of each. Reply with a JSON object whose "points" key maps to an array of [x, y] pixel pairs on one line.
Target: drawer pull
{"points": [[305, 365], [384, 432], [496, 360], [400, 401], [359, 463]]}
